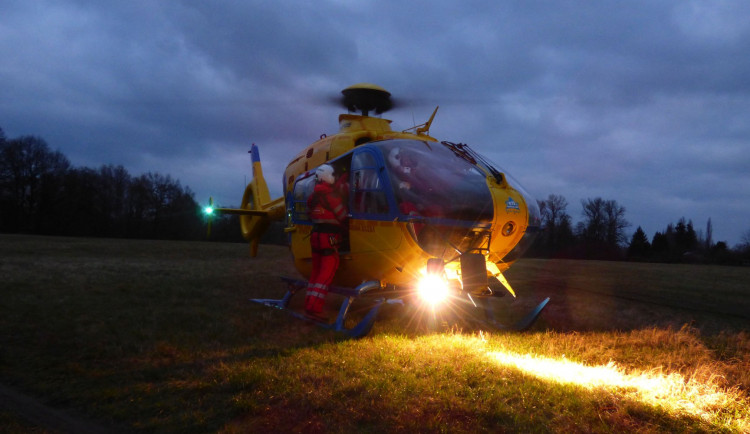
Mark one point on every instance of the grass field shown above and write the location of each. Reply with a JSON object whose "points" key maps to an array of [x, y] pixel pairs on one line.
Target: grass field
{"points": [[157, 336]]}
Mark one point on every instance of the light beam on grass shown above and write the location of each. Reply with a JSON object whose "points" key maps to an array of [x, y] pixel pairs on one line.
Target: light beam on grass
{"points": [[671, 391]]}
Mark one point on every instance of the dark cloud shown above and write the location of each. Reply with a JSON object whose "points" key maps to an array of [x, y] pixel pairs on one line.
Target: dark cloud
{"points": [[642, 102]]}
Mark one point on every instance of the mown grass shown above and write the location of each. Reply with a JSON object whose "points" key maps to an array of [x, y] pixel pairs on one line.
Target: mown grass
{"points": [[159, 337]]}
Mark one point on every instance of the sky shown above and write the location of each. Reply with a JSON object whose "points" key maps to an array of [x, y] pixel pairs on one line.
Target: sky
{"points": [[643, 102]]}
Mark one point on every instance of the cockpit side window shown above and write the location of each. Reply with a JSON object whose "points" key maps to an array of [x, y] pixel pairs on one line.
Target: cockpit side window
{"points": [[303, 188], [305, 184], [368, 192]]}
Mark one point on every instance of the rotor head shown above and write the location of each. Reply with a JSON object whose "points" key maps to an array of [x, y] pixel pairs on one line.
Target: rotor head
{"points": [[366, 97]]}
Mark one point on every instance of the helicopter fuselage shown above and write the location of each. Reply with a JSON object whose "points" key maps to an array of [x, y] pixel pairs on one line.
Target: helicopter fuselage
{"points": [[423, 216], [410, 199]]}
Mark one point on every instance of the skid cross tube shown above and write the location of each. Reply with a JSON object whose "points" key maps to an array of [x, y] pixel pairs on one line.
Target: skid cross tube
{"points": [[359, 330]]}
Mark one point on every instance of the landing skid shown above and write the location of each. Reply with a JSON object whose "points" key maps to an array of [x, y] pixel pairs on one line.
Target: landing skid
{"points": [[364, 326], [520, 326], [359, 330]]}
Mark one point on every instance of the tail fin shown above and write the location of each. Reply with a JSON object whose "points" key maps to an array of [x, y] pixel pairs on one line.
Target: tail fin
{"points": [[257, 198], [257, 209]]}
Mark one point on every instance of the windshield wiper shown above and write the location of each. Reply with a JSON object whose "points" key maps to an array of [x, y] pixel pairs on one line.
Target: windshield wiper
{"points": [[464, 151], [461, 150]]}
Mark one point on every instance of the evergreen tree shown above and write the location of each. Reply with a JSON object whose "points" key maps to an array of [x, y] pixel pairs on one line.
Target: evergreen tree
{"points": [[683, 239], [639, 247], [660, 245], [744, 247], [691, 238], [680, 238]]}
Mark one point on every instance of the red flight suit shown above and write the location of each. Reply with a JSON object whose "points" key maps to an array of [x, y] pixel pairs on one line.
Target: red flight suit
{"points": [[328, 213]]}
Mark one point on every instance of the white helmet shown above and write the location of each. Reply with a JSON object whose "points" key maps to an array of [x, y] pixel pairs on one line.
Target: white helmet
{"points": [[324, 172], [394, 157]]}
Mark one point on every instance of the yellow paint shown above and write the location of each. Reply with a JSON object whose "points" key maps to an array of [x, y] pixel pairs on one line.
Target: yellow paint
{"points": [[502, 244]]}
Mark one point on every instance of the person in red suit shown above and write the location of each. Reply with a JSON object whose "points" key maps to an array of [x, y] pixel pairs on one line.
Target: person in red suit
{"points": [[328, 213]]}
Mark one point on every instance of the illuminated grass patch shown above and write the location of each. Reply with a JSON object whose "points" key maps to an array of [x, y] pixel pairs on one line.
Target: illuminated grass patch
{"points": [[671, 391]]}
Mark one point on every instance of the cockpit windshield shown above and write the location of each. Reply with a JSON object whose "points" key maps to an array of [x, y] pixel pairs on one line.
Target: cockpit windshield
{"points": [[432, 181]]}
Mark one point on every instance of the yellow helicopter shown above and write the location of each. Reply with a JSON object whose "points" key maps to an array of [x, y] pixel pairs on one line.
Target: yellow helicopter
{"points": [[424, 217]]}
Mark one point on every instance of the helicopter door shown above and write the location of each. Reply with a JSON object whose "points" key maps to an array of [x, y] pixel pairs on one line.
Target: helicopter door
{"points": [[368, 194], [372, 226]]}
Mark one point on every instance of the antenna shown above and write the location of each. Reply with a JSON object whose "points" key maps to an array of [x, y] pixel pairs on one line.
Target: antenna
{"points": [[425, 127]]}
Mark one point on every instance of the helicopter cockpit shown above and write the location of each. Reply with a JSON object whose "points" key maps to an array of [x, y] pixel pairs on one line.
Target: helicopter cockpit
{"points": [[442, 195], [408, 178], [429, 181], [439, 191], [423, 178]]}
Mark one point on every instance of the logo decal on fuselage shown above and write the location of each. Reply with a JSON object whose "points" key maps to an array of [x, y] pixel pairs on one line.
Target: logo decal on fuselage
{"points": [[512, 206]]}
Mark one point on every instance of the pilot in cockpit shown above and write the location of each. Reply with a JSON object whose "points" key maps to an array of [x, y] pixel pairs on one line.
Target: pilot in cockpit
{"points": [[412, 183]]}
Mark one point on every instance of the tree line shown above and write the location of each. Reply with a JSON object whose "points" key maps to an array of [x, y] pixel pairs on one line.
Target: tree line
{"points": [[42, 193], [601, 235]]}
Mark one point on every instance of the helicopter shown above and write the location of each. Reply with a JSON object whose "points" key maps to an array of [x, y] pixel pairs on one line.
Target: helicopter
{"points": [[428, 220]]}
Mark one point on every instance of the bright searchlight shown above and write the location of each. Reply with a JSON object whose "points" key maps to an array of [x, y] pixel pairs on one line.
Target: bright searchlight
{"points": [[433, 289]]}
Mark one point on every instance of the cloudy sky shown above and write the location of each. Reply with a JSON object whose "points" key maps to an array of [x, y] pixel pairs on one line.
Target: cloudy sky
{"points": [[643, 102]]}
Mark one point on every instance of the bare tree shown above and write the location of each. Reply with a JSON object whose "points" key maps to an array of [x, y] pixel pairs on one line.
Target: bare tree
{"points": [[160, 207], [746, 238], [554, 210], [616, 223], [25, 164], [604, 222], [558, 233]]}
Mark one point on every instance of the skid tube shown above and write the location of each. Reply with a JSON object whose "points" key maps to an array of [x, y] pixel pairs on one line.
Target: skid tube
{"points": [[361, 329], [522, 325]]}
